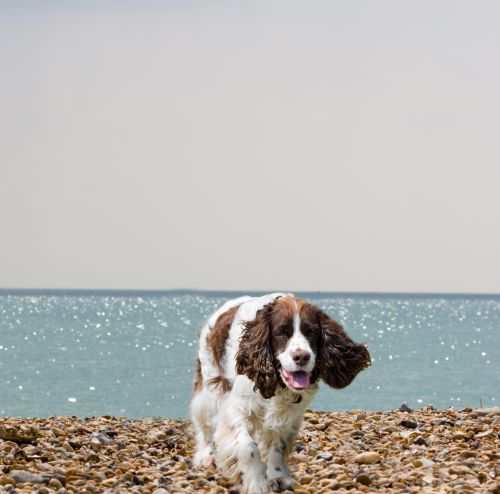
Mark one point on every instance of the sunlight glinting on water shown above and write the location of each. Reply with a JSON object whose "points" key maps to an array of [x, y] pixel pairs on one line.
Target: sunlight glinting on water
{"points": [[133, 355]]}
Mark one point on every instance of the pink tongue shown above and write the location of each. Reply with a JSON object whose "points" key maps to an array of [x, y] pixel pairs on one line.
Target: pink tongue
{"points": [[299, 379]]}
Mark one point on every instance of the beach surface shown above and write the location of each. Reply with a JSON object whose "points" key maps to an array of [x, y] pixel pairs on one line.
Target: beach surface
{"points": [[426, 450]]}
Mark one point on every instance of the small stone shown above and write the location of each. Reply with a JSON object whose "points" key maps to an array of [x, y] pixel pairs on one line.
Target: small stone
{"points": [[342, 485], [32, 450], [108, 430], [4, 480], [467, 454], [444, 422], [392, 428], [325, 455], [405, 434], [367, 458], [103, 438], [95, 444], [405, 408], [57, 432], [487, 411], [108, 482], [487, 433], [423, 463], [460, 469], [357, 434], [399, 485], [409, 423], [428, 479], [54, 483], [364, 479], [495, 489], [459, 435], [24, 477], [18, 433], [432, 439], [161, 490], [305, 479], [300, 447]]}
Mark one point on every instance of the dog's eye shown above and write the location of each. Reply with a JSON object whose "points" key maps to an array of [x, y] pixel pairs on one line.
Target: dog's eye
{"points": [[282, 330], [308, 330]]}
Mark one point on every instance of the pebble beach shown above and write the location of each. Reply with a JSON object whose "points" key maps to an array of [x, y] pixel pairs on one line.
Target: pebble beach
{"points": [[447, 451]]}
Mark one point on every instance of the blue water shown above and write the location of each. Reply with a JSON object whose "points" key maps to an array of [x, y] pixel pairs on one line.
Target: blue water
{"points": [[132, 354]]}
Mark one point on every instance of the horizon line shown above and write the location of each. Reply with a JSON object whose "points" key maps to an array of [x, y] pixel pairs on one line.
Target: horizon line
{"points": [[198, 291]]}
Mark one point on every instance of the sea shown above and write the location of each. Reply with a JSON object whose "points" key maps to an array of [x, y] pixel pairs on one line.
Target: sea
{"points": [[131, 354]]}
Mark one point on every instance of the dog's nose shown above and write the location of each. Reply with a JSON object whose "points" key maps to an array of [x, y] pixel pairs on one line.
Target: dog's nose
{"points": [[301, 357]]}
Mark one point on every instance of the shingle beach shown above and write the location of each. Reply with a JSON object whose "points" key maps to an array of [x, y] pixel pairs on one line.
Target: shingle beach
{"points": [[426, 450]]}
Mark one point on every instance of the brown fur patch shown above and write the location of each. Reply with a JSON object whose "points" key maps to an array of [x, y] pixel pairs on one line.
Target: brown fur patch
{"points": [[292, 304], [220, 382], [255, 358], [216, 342], [198, 378]]}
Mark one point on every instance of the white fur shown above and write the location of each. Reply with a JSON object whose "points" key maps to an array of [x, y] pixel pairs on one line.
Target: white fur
{"points": [[297, 342], [242, 431]]}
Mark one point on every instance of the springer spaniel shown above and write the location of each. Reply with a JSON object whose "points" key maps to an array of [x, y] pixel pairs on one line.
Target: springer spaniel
{"points": [[259, 362]]}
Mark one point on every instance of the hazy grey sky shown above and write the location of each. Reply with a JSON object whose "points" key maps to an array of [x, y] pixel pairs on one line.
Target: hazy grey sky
{"points": [[332, 145]]}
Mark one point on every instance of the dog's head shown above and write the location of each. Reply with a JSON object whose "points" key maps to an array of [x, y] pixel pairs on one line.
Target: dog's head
{"points": [[294, 343]]}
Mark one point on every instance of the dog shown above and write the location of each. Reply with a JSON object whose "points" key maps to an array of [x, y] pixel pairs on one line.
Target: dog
{"points": [[258, 366]]}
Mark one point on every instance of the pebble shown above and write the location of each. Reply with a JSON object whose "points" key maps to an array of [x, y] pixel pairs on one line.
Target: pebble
{"points": [[444, 422], [54, 483], [399, 485], [486, 433], [487, 411], [391, 428], [102, 438], [4, 480], [18, 433], [325, 455], [24, 477], [357, 434], [367, 458], [423, 463], [409, 423], [364, 479]]}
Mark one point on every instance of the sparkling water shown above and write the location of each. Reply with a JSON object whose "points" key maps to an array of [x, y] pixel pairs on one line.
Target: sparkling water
{"points": [[132, 354]]}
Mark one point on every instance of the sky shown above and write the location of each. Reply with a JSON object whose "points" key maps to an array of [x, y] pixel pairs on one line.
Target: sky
{"points": [[264, 145]]}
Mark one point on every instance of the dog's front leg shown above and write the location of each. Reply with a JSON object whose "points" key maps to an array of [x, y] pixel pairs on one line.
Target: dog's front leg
{"points": [[277, 463], [238, 456]]}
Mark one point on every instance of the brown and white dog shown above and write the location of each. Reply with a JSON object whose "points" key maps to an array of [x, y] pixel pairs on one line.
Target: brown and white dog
{"points": [[259, 362]]}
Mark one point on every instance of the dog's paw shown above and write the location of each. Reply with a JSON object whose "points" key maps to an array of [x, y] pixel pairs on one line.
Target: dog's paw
{"points": [[280, 484], [256, 486], [204, 459]]}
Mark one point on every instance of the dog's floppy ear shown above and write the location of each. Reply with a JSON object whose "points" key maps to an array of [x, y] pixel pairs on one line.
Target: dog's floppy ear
{"points": [[255, 358], [340, 358]]}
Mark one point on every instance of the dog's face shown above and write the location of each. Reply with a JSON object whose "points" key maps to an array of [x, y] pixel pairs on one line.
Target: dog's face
{"points": [[295, 343], [295, 339]]}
